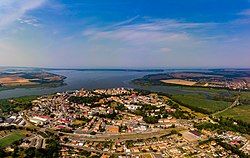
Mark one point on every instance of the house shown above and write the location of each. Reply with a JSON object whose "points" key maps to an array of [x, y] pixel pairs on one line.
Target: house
{"points": [[112, 129]]}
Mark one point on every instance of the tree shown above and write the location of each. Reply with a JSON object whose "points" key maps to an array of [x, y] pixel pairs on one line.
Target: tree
{"points": [[2, 153], [151, 119], [30, 152]]}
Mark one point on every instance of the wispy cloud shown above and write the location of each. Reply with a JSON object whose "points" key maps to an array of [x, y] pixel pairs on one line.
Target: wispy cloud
{"points": [[245, 12], [126, 21], [158, 34], [12, 10]]}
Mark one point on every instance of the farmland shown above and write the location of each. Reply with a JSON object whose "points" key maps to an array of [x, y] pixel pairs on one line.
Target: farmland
{"points": [[28, 79], [13, 80], [213, 78], [179, 82]]}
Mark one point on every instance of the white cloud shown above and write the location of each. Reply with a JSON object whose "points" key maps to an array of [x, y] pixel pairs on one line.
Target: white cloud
{"points": [[156, 41], [159, 35], [138, 36], [12, 10], [126, 21], [29, 21]]}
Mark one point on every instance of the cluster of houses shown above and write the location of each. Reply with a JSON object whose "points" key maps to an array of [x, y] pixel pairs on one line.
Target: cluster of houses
{"points": [[235, 140], [15, 119], [81, 124], [169, 146], [57, 112], [36, 141], [214, 150]]}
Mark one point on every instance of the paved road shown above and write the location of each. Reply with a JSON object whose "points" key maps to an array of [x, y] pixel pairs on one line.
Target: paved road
{"points": [[103, 152], [231, 106], [127, 136]]}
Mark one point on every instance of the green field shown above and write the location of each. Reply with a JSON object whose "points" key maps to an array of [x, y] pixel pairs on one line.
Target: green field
{"points": [[8, 140], [20, 104], [245, 97], [241, 112], [199, 102]]}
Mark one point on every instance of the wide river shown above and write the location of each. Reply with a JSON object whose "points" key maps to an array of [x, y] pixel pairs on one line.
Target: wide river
{"points": [[80, 79]]}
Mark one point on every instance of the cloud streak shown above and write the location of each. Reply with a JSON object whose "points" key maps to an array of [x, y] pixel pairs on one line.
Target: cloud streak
{"points": [[12, 10], [159, 34]]}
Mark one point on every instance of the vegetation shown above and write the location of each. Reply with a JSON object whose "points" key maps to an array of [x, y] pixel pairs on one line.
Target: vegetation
{"points": [[159, 112], [114, 115], [151, 119], [199, 103], [9, 139], [225, 124], [245, 98], [17, 104], [51, 151], [193, 79], [53, 147], [241, 112], [234, 150], [84, 100], [120, 107]]}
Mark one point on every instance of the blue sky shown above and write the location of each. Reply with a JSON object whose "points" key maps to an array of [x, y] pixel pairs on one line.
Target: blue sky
{"points": [[125, 33]]}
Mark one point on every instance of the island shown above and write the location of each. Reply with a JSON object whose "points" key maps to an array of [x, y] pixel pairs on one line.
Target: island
{"points": [[235, 79], [32, 78]]}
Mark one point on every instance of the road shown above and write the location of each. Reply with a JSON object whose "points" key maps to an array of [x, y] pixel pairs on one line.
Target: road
{"points": [[231, 106], [127, 136]]}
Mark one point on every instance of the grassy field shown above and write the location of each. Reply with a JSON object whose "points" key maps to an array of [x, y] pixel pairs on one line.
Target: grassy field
{"points": [[197, 114], [20, 104], [200, 101], [241, 112], [8, 140], [245, 97]]}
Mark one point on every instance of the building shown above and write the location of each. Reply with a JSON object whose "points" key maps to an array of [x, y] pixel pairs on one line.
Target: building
{"points": [[112, 129]]}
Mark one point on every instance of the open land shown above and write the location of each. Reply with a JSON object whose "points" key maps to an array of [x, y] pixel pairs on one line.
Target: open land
{"points": [[179, 82], [200, 101], [241, 112], [13, 80], [28, 79], [207, 91]]}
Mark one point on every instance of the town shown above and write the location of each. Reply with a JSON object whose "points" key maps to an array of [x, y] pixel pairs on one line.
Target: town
{"points": [[117, 123]]}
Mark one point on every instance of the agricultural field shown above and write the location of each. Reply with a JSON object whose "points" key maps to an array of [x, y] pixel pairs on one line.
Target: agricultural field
{"points": [[24, 78], [213, 78], [179, 82], [200, 103], [13, 80], [241, 112], [11, 138]]}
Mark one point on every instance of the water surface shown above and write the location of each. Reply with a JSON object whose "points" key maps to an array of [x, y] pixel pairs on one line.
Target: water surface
{"points": [[80, 79]]}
